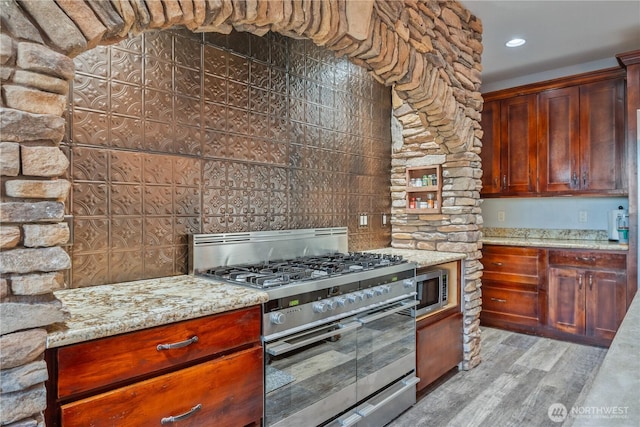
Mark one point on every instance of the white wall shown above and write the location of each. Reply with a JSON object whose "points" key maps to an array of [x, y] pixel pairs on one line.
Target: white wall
{"points": [[600, 64], [551, 212]]}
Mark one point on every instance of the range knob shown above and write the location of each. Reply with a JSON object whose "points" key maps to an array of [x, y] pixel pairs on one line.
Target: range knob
{"points": [[320, 307], [341, 301], [331, 304], [352, 298], [278, 318], [386, 289], [369, 293], [408, 283], [378, 290]]}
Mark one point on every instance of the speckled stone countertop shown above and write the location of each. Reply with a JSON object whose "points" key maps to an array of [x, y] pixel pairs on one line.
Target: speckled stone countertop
{"points": [[543, 238], [616, 385], [420, 257], [106, 310]]}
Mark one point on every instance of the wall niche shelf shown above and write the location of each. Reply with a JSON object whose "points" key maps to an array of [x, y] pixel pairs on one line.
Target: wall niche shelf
{"points": [[423, 190]]}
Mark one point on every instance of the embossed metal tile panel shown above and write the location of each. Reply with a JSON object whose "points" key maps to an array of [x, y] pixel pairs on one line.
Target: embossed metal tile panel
{"points": [[173, 133]]}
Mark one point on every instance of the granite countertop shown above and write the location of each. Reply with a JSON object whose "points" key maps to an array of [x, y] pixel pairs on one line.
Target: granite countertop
{"points": [[106, 310], [615, 387], [542, 238], [421, 257]]}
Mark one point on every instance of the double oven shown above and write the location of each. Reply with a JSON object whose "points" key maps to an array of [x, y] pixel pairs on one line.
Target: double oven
{"points": [[338, 329]]}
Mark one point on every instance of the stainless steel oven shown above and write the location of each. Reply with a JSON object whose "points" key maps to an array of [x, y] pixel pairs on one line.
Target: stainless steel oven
{"points": [[338, 329], [336, 373]]}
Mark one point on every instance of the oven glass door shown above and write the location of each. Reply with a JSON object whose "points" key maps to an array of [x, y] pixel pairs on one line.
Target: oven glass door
{"points": [[311, 375], [386, 346]]}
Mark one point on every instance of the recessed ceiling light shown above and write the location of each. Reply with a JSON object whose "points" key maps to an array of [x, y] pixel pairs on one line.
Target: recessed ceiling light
{"points": [[515, 42]]}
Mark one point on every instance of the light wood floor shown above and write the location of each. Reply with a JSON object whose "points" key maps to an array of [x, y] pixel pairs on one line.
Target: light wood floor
{"points": [[519, 378]]}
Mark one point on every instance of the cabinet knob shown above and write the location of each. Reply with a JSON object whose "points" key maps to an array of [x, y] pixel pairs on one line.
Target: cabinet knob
{"points": [[590, 282]]}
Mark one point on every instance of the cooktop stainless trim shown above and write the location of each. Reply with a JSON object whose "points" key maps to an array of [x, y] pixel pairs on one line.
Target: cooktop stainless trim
{"points": [[208, 251]]}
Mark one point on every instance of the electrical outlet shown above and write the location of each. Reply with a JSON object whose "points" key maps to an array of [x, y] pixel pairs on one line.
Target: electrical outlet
{"points": [[501, 216], [582, 216]]}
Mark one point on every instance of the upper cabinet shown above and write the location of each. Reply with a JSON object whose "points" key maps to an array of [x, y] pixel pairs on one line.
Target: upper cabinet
{"points": [[518, 124], [563, 137]]}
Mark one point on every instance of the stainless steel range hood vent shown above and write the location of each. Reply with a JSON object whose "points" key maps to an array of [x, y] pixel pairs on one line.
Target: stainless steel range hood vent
{"points": [[208, 251]]}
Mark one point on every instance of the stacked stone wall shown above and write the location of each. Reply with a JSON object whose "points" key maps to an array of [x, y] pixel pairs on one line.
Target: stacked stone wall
{"points": [[429, 51]]}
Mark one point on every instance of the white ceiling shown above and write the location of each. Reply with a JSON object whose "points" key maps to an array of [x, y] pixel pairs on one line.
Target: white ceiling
{"points": [[559, 34]]}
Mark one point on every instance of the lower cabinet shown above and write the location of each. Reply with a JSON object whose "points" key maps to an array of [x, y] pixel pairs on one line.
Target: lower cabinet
{"points": [[587, 294], [218, 392], [511, 291], [439, 347], [574, 295], [206, 371]]}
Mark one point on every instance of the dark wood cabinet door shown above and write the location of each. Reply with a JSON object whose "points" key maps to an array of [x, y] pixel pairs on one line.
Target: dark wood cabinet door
{"points": [[602, 136], [606, 302], [221, 392], [518, 140], [490, 153], [439, 348], [566, 298], [559, 139]]}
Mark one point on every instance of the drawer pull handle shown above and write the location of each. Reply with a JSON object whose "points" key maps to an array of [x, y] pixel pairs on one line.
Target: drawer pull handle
{"points": [[176, 418], [585, 258], [498, 300], [180, 344], [499, 264]]}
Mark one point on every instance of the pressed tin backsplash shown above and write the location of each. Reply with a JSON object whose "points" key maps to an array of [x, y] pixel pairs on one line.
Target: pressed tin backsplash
{"points": [[172, 133]]}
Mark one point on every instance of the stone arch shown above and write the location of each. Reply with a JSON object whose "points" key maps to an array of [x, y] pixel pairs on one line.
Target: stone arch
{"points": [[428, 51]]}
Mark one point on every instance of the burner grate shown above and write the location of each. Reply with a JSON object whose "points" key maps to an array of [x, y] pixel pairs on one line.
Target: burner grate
{"points": [[282, 272]]}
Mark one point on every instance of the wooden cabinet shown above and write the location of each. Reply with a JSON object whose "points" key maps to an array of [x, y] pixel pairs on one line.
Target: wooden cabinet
{"points": [[490, 153], [587, 293], [198, 371], [559, 137], [423, 191], [509, 146], [581, 138], [510, 287], [518, 139], [602, 136], [438, 347], [439, 334], [566, 294]]}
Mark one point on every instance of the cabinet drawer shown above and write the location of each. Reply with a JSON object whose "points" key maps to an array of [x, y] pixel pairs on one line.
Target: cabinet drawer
{"points": [[512, 264], [228, 391], [589, 259], [510, 301], [107, 361]]}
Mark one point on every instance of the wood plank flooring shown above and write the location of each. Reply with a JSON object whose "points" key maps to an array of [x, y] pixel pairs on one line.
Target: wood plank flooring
{"points": [[519, 378]]}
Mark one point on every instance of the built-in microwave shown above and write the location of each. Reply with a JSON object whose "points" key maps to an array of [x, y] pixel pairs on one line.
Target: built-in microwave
{"points": [[433, 291]]}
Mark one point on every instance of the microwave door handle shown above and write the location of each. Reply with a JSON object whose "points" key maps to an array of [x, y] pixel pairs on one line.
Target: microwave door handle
{"points": [[281, 347], [383, 314]]}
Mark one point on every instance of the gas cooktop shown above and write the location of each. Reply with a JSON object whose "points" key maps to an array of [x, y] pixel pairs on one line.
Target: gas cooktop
{"points": [[284, 272]]}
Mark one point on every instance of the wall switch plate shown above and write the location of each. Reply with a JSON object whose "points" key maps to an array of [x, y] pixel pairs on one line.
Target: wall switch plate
{"points": [[501, 216], [582, 216]]}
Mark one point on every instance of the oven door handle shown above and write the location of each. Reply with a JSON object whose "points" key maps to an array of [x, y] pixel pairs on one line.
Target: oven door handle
{"points": [[382, 314], [367, 409], [281, 347]]}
